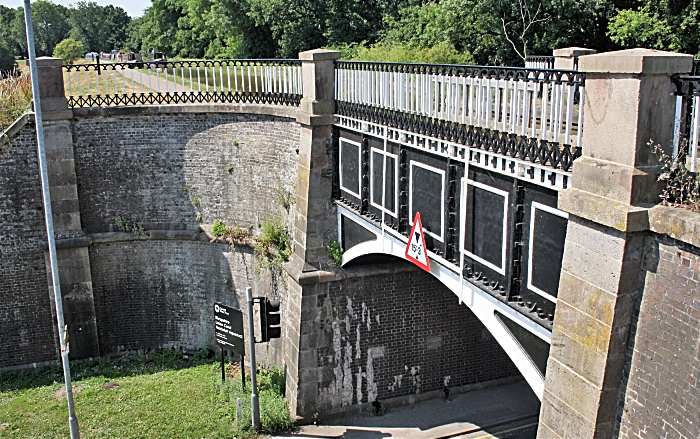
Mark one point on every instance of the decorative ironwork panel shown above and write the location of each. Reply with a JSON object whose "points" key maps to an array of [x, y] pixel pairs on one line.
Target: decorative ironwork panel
{"points": [[162, 82], [531, 114]]}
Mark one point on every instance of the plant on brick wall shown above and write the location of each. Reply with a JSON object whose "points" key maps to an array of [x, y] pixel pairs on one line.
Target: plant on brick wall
{"points": [[286, 198], [219, 229], [682, 187], [126, 225], [335, 251], [273, 246]]}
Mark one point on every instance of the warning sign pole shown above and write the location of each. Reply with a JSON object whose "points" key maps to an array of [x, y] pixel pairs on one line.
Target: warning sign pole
{"points": [[416, 251]]}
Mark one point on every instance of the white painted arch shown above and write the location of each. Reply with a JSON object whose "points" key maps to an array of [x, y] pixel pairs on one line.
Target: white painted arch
{"points": [[482, 304]]}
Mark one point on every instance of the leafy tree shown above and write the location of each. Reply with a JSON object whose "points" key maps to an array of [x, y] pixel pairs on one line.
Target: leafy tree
{"points": [[50, 22], [642, 28], [299, 25], [99, 28], [7, 60], [69, 50]]}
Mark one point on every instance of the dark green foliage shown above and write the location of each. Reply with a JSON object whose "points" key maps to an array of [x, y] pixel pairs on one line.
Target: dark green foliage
{"points": [[99, 28], [51, 26]]}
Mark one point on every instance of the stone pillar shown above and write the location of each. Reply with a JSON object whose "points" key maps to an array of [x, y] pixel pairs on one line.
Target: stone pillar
{"points": [[628, 100], [71, 242], [565, 59], [316, 217]]}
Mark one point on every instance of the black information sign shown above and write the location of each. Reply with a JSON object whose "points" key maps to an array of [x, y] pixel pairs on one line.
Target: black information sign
{"points": [[229, 328]]}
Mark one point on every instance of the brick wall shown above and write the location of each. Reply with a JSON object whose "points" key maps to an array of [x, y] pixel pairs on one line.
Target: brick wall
{"points": [[390, 335], [661, 384], [152, 168], [26, 310], [149, 168], [159, 294]]}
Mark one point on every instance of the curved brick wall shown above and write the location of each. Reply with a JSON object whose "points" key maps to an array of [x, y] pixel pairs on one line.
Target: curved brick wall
{"points": [[152, 167], [24, 293], [157, 291]]}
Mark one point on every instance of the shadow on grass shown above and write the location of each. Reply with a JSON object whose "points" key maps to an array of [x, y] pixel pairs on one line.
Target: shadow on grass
{"points": [[108, 367]]}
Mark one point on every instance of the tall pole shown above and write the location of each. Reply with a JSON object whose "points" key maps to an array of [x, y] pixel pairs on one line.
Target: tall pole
{"points": [[48, 214], [254, 404]]}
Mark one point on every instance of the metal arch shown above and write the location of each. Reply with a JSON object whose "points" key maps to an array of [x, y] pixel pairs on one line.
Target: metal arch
{"points": [[479, 302]]}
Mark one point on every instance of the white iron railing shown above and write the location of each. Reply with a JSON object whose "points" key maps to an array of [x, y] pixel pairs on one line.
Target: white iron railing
{"points": [[539, 104]]}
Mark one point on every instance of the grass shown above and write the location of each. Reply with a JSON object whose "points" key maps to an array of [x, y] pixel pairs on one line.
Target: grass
{"points": [[15, 98], [158, 396]]}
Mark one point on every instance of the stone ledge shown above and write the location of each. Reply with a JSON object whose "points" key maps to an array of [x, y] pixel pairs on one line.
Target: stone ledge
{"points": [[12, 130], [323, 276], [151, 235], [605, 211], [268, 110], [676, 222]]}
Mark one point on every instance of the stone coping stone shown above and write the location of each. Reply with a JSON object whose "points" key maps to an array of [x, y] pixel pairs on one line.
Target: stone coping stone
{"points": [[269, 110], [637, 61], [678, 223], [319, 55], [571, 52]]}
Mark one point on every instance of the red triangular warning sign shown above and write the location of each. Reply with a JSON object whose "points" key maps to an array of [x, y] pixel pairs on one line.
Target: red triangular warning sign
{"points": [[415, 249]]}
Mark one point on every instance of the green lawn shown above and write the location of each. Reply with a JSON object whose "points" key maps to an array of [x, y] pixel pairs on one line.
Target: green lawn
{"points": [[158, 396]]}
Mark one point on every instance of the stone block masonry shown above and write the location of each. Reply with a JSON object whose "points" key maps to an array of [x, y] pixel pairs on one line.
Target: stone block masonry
{"points": [[384, 336], [26, 310], [661, 381]]}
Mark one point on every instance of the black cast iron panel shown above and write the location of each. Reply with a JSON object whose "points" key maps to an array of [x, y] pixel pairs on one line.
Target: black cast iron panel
{"points": [[353, 234]]}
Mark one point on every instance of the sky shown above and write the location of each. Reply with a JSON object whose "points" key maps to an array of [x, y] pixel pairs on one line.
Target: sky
{"points": [[132, 7]]}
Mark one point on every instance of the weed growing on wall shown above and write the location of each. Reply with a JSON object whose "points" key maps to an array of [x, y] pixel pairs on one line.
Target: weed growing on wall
{"points": [[286, 198], [219, 229], [125, 225], [682, 186], [273, 246], [335, 251]]}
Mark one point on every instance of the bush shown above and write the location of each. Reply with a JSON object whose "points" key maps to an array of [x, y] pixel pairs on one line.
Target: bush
{"points": [[441, 53], [219, 229], [69, 50]]}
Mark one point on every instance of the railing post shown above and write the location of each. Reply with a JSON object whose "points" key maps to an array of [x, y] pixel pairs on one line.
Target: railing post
{"points": [[72, 251], [316, 220], [628, 100], [566, 58]]}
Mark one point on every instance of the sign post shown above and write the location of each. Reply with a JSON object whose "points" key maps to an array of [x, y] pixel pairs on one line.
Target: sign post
{"points": [[416, 251], [228, 330]]}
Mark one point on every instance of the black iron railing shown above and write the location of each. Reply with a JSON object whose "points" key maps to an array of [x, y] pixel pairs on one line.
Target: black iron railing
{"points": [[181, 82]]}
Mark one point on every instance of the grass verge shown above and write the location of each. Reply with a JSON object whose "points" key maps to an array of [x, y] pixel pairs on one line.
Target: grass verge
{"points": [[162, 395]]}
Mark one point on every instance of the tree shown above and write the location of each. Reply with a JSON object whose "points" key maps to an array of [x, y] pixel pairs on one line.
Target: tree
{"points": [[523, 26], [7, 60], [50, 22], [69, 50], [299, 25], [642, 28], [99, 28]]}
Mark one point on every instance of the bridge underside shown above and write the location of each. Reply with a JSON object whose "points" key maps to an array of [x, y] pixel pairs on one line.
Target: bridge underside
{"points": [[525, 341], [493, 232]]}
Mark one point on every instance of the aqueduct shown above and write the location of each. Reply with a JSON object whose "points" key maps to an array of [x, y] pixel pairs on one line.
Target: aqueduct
{"points": [[547, 257]]}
